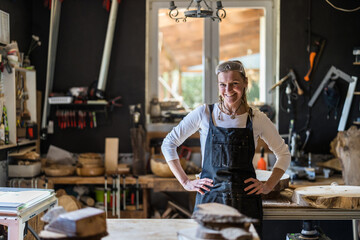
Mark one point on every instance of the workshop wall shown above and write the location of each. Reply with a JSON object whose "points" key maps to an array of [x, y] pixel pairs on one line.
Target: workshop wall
{"points": [[341, 32], [20, 21], [81, 39], [82, 32]]}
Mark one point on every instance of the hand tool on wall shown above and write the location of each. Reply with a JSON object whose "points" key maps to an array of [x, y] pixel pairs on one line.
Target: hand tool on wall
{"points": [[94, 119], [113, 196], [316, 48], [137, 192], [292, 76], [115, 102], [105, 196], [107, 50], [118, 195], [53, 37], [124, 192], [334, 74]]}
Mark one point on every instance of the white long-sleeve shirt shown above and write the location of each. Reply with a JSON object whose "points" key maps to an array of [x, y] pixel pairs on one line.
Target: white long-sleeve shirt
{"points": [[198, 120]]}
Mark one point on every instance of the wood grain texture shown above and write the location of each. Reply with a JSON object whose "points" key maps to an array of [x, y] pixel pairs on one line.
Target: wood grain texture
{"points": [[344, 197], [348, 150], [218, 216], [81, 223], [69, 203]]}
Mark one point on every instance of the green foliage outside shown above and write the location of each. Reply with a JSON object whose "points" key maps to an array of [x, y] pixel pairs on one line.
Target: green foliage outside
{"points": [[253, 93], [192, 90]]}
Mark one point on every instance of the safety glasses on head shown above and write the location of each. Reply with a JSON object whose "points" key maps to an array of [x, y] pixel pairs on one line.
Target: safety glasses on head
{"points": [[230, 66]]}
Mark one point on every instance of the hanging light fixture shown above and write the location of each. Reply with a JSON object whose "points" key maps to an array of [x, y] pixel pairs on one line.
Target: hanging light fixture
{"points": [[198, 11]]}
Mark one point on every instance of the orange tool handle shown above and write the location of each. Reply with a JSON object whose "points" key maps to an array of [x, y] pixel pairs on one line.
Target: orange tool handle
{"points": [[312, 58]]}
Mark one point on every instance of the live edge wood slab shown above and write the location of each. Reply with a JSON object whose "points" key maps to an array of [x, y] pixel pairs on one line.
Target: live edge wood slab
{"points": [[344, 197]]}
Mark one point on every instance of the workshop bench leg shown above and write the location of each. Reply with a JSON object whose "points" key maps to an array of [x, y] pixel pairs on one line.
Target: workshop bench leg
{"points": [[355, 229], [15, 227]]}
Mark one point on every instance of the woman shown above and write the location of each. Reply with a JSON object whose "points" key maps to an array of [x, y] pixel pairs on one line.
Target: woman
{"points": [[228, 139]]}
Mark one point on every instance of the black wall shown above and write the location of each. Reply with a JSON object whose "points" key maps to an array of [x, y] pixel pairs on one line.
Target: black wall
{"points": [[20, 21], [82, 32], [342, 33]]}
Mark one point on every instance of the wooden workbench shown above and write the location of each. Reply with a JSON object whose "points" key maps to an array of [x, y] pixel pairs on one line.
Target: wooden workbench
{"points": [[150, 229]]}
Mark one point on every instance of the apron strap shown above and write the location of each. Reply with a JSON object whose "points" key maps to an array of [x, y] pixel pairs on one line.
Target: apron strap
{"points": [[249, 120], [211, 108]]}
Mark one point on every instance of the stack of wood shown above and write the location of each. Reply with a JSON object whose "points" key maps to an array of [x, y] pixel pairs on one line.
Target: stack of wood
{"points": [[86, 223], [219, 221], [90, 164]]}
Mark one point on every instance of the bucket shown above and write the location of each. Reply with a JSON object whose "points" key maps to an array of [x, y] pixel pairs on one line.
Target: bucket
{"points": [[99, 195]]}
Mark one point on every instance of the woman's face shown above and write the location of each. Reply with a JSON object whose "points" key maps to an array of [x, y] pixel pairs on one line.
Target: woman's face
{"points": [[232, 86]]}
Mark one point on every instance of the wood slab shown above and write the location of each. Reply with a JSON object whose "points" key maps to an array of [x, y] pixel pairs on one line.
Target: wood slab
{"points": [[218, 216], [263, 176], [344, 197], [81, 223]]}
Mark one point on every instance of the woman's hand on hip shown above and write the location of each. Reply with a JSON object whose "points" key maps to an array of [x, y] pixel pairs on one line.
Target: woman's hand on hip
{"points": [[257, 187], [198, 185]]}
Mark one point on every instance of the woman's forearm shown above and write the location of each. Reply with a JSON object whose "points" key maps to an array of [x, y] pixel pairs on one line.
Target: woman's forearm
{"points": [[178, 171], [274, 178]]}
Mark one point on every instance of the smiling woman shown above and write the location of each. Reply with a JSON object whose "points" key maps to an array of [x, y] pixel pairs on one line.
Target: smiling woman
{"points": [[182, 56]]}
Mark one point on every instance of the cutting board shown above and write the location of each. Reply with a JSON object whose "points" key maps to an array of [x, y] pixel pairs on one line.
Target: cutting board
{"points": [[344, 197]]}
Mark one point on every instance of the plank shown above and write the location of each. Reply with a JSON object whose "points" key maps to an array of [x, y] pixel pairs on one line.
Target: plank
{"points": [[344, 197], [111, 154]]}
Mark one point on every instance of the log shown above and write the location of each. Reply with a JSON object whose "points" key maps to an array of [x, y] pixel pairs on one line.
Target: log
{"points": [[81, 223], [348, 151], [344, 197], [69, 203], [88, 201]]}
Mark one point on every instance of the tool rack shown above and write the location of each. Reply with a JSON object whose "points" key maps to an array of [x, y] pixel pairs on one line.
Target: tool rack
{"points": [[143, 182]]}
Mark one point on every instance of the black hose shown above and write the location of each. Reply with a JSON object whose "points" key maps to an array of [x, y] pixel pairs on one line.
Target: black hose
{"points": [[33, 232]]}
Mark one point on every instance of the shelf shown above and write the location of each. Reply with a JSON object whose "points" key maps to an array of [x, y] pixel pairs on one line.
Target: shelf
{"points": [[356, 93], [129, 214], [356, 63], [143, 181], [13, 145], [357, 123]]}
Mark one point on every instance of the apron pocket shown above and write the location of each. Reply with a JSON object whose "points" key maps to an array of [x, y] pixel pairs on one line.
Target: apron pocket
{"points": [[217, 154]]}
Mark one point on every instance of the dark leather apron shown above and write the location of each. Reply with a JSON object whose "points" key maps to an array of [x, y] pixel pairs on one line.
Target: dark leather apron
{"points": [[228, 162]]}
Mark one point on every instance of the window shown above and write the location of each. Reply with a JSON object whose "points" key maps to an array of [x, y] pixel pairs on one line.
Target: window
{"points": [[181, 57]]}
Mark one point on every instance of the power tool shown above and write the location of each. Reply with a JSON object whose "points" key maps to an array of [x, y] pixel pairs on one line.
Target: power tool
{"points": [[309, 232]]}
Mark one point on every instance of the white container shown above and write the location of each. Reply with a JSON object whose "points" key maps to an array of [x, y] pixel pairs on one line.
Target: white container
{"points": [[31, 170]]}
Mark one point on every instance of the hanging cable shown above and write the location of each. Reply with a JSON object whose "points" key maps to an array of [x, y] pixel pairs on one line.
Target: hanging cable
{"points": [[342, 9]]}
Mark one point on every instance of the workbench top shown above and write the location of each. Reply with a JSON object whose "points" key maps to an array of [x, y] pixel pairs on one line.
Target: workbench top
{"points": [[149, 229]]}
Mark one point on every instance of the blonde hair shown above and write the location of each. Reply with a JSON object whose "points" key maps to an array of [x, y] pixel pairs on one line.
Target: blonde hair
{"points": [[236, 66]]}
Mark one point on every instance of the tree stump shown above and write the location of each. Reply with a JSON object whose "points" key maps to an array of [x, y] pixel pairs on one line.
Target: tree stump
{"points": [[348, 150]]}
